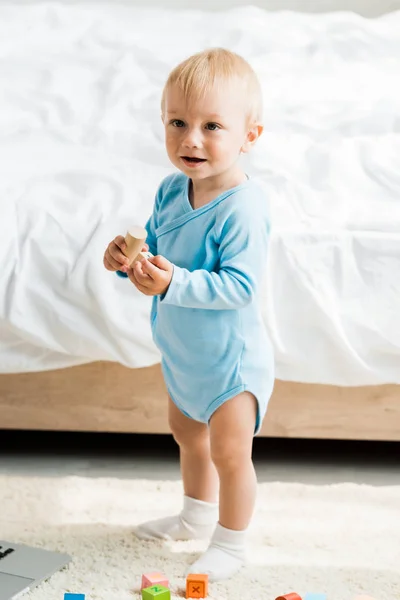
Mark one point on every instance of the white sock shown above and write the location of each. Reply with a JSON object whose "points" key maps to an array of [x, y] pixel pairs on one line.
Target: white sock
{"points": [[196, 521], [225, 555]]}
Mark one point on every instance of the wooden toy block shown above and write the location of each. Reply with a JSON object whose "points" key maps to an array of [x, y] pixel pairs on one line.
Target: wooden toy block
{"points": [[156, 578], [290, 596], [74, 596], [309, 596], [196, 585], [134, 239], [158, 592]]}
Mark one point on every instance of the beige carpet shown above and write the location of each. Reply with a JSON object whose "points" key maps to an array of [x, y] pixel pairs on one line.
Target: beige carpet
{"points": [[341, 539]]}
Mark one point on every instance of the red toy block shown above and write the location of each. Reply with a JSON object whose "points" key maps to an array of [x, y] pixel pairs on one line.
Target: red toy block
{"points": [[151, 579], [196, 585], [291, 596]]}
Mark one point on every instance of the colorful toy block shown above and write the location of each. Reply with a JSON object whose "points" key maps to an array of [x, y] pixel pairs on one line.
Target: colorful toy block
{"points": [[74, 596], [290, 596], [156, 578], [156, 591], [315, 597], [196, 585]]}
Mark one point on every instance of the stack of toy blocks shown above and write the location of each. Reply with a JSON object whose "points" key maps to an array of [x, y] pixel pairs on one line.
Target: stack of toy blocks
{"points": [[155, 585]]}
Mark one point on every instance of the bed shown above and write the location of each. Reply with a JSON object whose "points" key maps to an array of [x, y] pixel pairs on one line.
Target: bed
{"points": [[81, 154]]}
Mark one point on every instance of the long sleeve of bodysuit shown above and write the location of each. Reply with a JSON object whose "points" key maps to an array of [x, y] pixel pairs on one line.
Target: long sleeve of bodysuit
{"points": [[242, 241]]}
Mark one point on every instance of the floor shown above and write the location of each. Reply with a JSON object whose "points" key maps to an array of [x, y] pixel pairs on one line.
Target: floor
{"points": [[155, 457]]}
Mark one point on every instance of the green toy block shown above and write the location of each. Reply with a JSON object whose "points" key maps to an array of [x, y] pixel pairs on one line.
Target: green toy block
{"points": [[158, 592]]}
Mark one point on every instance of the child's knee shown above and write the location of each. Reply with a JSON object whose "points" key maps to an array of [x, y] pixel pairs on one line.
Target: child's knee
{"points": [[229, 455], [188, 441]]}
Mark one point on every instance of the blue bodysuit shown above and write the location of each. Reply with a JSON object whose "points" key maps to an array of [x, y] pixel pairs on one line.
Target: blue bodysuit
{"points": [[208, 326]]}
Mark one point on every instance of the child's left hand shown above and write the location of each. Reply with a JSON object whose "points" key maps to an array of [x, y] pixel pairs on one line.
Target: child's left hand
{"points": [[152, 277]]}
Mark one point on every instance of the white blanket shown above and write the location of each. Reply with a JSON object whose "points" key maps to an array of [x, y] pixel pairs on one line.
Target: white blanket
{"points": [[81, 155]]}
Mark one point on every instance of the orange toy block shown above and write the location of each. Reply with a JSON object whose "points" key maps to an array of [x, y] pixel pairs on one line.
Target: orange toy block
{"points": [[291, 596], [196, 585], [151, 579]]}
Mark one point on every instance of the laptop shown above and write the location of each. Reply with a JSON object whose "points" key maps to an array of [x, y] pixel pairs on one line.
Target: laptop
{"points": [[23, 567]]}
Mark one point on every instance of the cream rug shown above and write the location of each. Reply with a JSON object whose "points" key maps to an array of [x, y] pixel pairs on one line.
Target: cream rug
{"points": [[340, 539]]}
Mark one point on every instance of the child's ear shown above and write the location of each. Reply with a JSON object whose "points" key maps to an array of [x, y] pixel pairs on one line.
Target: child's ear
{"points": [[252, 136]]}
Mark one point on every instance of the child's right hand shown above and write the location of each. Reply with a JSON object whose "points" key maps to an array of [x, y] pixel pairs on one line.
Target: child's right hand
{"points": [[114, 257]]}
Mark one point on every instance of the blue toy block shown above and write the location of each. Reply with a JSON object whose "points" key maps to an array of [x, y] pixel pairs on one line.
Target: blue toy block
{"points": [[315, 597], [74, 596]]}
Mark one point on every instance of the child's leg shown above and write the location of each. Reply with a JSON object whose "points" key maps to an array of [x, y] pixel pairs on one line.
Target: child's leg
{"points": [[200, 483], [231, 431], [199, 475]]}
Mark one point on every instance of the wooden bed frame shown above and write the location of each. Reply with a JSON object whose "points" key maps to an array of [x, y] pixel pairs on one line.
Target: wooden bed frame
{"points": [[107, 397]]}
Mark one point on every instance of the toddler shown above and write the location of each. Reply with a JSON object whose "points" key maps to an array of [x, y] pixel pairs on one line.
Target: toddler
{"points": [[209, 233]]}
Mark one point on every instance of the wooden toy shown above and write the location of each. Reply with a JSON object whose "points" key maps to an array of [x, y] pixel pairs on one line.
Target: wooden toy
{"points": [[68, 596], [290, 596], [135, 239], [158, 592], [196, 585], [156, 578]]}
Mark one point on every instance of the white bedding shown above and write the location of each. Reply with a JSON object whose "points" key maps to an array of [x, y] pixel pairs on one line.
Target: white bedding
{"points": [[81, 155]]}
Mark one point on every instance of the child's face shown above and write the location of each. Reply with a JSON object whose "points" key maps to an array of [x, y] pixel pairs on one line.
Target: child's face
{"points": [[213, 130]]}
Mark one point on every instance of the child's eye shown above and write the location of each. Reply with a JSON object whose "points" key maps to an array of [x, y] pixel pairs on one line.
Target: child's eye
{"points": [[177, 123], [212, 126]]}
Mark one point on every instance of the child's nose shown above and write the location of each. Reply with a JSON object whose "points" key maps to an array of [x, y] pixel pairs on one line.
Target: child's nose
{"points": [[192, 138]]}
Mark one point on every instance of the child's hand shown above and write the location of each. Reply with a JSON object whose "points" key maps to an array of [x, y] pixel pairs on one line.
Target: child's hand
{"points": [[152, 277], [114, 257]]}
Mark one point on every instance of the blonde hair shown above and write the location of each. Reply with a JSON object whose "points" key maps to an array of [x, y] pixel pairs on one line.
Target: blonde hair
{"points": [[199, 73]]}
